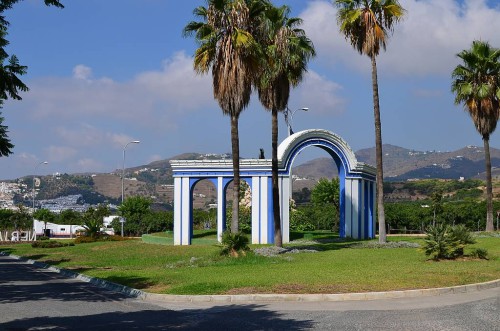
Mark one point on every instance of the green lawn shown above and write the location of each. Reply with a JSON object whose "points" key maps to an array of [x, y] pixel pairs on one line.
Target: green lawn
{"points": [[198, 269]]}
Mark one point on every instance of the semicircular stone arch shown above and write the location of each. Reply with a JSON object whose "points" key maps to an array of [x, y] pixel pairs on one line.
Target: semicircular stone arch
{"points": [[356, 179], [357, 188]]}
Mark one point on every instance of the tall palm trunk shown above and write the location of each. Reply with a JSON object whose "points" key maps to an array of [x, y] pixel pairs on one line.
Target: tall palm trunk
{"points": [[378, 153], [278, 241], [489, 191], [236, 168]]}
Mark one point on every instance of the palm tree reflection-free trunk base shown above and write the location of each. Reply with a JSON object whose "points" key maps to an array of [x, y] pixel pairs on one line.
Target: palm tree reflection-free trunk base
{"points": [[236, 178], [489, 188]]}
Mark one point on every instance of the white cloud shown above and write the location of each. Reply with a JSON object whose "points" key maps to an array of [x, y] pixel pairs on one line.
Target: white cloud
{"points": [[424, 43], [321, 94], [82, 72], [155, 99]]}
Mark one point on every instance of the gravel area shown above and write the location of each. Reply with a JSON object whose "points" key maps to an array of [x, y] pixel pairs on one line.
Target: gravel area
{"points": [[275, 251]]}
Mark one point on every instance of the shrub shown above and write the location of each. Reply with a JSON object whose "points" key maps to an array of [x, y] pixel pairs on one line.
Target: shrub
{"points": [[234, 243], [50, 244], [42, 238], [85, 240], [462, 237], [446, 242], [480, 253]]}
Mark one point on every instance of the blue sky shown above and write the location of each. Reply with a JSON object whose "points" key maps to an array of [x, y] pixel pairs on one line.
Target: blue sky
{"points": [[103, 73]]}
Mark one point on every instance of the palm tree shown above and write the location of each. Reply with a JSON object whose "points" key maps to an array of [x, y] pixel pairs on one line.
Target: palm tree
{"points": [[476, 84], [286, 53], [229, 50], [367, 24]]}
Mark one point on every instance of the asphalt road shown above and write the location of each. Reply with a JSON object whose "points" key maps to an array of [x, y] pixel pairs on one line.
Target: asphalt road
{"points": [[33, 298]]}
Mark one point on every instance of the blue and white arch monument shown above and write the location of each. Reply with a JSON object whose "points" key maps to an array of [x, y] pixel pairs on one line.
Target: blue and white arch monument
{"points": [[357, 188]]}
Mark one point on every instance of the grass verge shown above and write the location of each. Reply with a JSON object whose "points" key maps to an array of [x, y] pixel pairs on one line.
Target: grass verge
{"points": [[336, 267]]}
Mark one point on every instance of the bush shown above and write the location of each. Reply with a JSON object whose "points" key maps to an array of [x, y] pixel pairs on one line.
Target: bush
{"points": [[39, 238], [234, 243], [50, 244], [480, 253], [446, 242], [85, 240], [462, 237]]}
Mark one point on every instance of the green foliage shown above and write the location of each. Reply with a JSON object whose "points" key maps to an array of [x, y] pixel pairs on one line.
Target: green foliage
{"points": [[85, 240], [326, 192], [446, 242], [234, 243], [50, 244], [299, 221], [323, 212], [413, 215], [45, 216], [480, 253], [42, 238], [5, 218], [69, 216], [93, 220], [134, 209], [5, 144], [141, 219], [21, 219], [437, 243], [428, 186], [245, 218]]}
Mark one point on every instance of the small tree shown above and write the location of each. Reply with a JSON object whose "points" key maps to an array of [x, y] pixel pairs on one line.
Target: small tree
{"points": [[21, 219], [135, 209], [326, 202]]}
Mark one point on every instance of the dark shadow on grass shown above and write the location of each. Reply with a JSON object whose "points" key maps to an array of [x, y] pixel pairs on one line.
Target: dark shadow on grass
{"points": [[235, 317], [206, 234], [130, 281]]}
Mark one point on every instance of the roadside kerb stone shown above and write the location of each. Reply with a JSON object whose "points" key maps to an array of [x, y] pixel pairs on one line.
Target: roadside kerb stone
{"points": [[240, 298]]}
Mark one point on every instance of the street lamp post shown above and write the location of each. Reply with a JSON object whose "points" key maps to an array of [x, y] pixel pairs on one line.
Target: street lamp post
{"points": [[289, 118], [123, 176], [33, 190]]}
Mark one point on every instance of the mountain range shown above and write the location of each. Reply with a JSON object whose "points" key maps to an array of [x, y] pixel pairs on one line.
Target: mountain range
{"points": [[155, 179], [401, 164]]}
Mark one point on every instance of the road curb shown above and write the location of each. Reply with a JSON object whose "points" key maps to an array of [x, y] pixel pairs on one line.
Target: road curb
{"points": [[261, 298]]}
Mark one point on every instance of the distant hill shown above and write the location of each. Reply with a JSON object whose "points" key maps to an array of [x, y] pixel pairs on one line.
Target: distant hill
{"points": [[401, 164], [155, 179]]}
